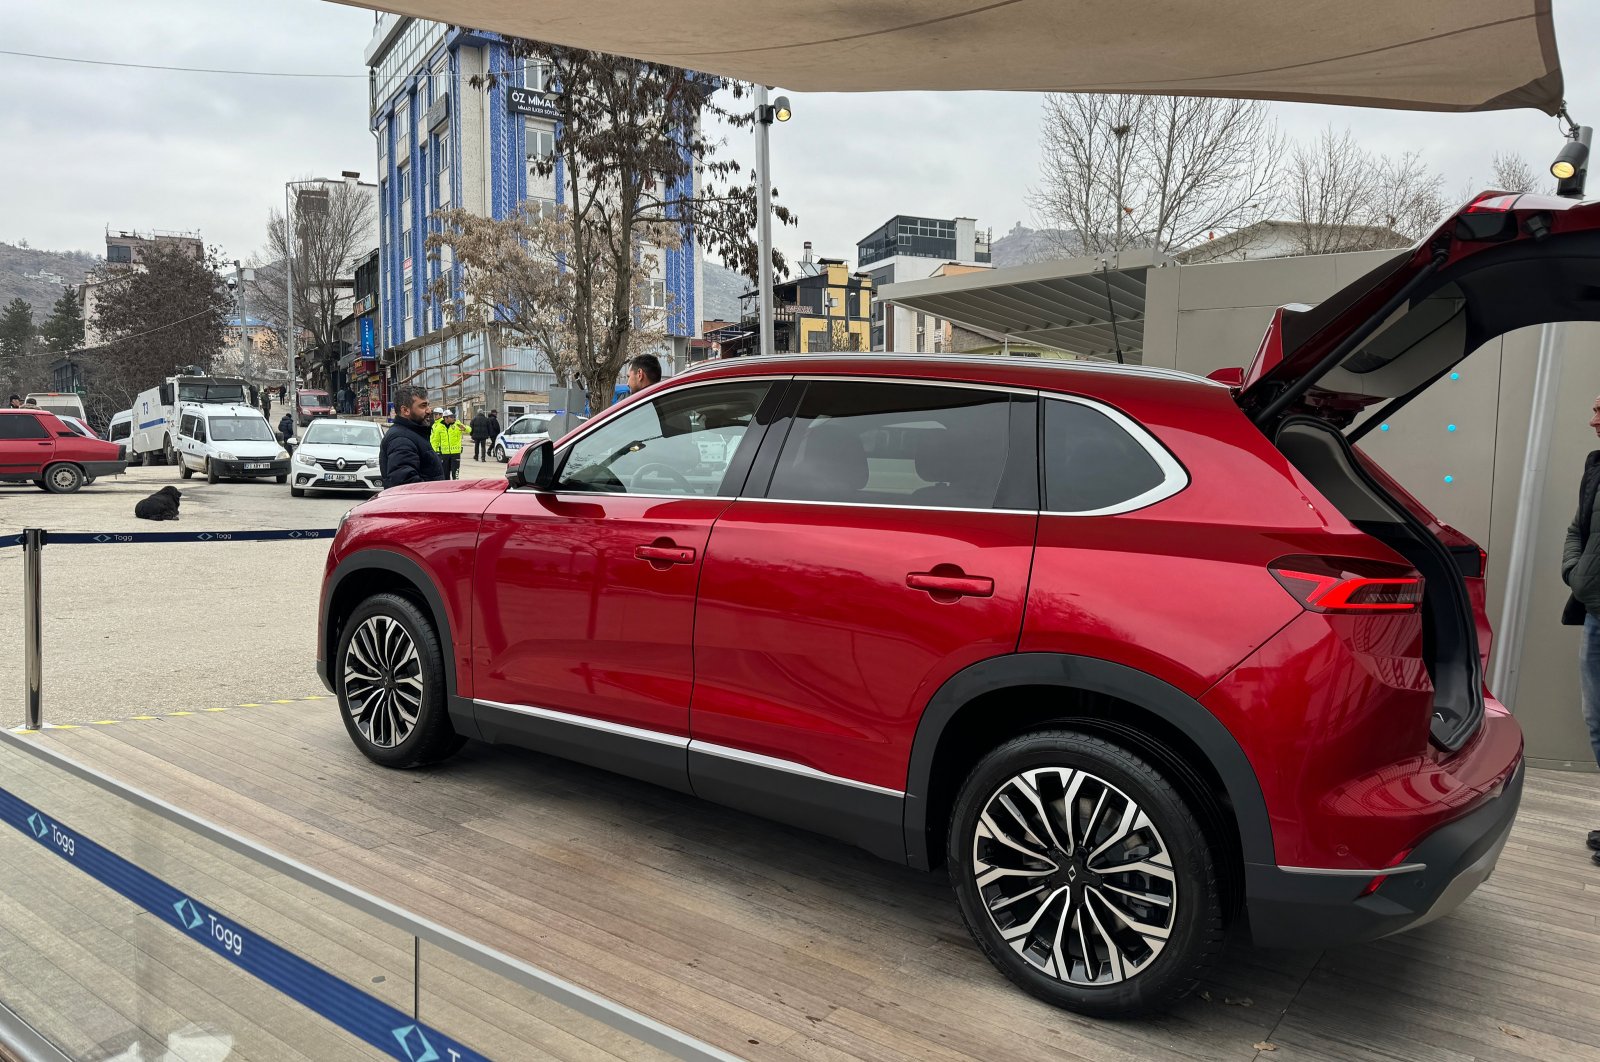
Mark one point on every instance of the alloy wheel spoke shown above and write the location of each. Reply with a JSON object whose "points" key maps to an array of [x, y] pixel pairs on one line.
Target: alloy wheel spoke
{"points": [[383, 681], [1022, 930], [1132, 819], [995, 833], [1148, 930], [1028, 786]]}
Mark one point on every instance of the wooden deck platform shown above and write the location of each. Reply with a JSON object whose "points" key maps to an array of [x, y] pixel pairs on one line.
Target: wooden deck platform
{"points": [[775, 944]]}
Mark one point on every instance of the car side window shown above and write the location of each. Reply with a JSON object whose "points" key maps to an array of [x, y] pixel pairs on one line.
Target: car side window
{"points": [[1092, 463], [678, 444], [186, 426], [200, 429], [22, 426], [865, 442]]}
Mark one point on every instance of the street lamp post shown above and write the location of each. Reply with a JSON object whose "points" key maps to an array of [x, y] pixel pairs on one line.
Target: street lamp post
{"points": [[288, 289], [766, 114]]}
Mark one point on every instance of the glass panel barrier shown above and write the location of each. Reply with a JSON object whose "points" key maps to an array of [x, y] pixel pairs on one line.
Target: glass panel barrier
{"points": [[131, 929]]}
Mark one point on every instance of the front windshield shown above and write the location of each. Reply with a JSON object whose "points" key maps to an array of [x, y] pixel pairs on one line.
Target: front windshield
{"points": [[322, 433], [214, 393], [77, 426], [311, 400], [239, 429]]}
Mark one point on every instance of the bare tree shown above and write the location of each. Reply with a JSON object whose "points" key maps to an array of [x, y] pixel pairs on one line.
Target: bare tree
{"points": [[520, 276], [1153, 171], [334, 225], [1512, 173], [1345, 198]]}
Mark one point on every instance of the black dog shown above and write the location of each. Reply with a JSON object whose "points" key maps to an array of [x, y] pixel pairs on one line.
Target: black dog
{"points": [[162, 505]]}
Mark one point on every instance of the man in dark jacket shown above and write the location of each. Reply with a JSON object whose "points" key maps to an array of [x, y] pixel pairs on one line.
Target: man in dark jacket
{"points": [[480, 436], [406, 454], [1580, 570], [286, 427]]}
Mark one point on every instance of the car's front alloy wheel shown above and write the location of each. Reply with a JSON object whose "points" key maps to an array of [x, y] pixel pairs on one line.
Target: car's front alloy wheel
{"points": [[391, 684], [1083, 875]]}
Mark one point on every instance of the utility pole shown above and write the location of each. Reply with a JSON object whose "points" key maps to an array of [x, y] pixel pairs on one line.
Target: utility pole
{"points": [[288, 288], [764, 215], [243, 308]]}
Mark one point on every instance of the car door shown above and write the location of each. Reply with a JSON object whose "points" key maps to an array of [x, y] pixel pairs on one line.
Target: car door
{"points": [[25, 445], [584, 594], [191, 441], [890, 551]]}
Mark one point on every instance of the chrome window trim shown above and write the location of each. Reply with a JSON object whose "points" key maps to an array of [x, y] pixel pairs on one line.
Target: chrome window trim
{"points": [[1050, 364], [1174, 476], [725, 752]]}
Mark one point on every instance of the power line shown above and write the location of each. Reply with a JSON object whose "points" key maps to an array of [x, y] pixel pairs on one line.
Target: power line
{"points": [[175, 69]]}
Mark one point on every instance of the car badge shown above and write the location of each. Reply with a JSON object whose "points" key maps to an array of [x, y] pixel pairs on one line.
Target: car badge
{"points": [[341, 464]]}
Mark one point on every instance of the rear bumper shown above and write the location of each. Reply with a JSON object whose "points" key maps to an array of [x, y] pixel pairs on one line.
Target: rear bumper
{"points": [[1310, 909], [104, 468]]}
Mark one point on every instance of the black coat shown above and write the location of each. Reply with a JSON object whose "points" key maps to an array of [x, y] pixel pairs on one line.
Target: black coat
{"points": [[406, 455], [479, 427]]}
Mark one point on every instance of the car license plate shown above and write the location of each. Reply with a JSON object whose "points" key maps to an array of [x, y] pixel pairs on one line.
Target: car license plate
{"points": [[258, 464], [341, 477]]}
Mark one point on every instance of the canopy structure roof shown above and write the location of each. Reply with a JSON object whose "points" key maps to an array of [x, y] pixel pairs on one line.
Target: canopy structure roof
{"points": [[1443, 55], [1087, 306]]}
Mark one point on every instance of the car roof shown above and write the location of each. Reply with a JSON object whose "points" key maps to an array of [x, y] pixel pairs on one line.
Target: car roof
{"points": [[211, 409], [337, 420], [993, 369]]}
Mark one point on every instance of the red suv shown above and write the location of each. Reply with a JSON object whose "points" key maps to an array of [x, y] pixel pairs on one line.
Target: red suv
{"points": [[1131, 652], [40, 448]]}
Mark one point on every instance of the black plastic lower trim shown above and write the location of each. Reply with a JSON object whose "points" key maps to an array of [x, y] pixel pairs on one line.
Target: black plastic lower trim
{"points": [[103, 468], [649, 757], [866, 818], [1295, 909]]}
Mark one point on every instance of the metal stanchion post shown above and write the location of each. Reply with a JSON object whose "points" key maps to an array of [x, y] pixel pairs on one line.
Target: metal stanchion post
{"points": [[33, 626]]}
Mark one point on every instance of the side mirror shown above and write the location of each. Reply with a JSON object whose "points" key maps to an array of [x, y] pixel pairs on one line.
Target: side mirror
{"points": [[534, 467]]}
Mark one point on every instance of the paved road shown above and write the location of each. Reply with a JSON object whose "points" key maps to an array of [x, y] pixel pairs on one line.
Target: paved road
{"points": [[145, 629]]}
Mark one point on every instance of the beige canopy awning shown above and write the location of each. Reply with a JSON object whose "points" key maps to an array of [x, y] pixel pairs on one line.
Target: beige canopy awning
{"points": [[1092, 307], [1443, 55]]}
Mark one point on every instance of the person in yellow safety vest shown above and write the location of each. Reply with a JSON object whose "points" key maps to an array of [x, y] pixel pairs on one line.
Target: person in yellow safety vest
{"points": [[447, 443]]}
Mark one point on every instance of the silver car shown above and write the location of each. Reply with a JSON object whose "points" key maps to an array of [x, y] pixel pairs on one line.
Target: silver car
{"points": [[336, 455]]}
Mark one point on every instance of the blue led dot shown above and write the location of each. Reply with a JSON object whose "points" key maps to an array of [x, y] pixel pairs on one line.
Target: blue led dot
{"points": [[1449, 479], [1449, 427], [1383, 427], [1455, 376]]}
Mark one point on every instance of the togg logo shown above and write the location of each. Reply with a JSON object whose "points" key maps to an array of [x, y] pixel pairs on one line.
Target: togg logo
{"points": [[36, 823], [414, 1044], [187, 914]]}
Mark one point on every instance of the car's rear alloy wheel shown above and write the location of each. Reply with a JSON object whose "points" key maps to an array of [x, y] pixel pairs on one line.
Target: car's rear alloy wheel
{"points": [[1083, 875], [391, 684], [63, 478], [500, 453]]}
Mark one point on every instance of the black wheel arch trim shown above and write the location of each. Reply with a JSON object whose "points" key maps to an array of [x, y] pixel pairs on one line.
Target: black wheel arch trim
{"points": [[1093, 675], [462, 714]]}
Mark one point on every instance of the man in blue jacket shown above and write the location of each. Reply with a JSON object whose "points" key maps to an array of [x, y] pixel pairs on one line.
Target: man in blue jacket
{"points": [[406, 455]]}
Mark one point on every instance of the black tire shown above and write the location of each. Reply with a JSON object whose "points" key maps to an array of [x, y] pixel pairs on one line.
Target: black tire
{"points": [[1148, 973], [297, 492], [500, 453], [62, 478], [89, 479], [282, 479], [211, 471], [168, 454], [184, 471], [431, 738]]}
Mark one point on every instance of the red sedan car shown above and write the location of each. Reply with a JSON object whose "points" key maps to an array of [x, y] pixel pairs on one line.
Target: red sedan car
{"points": [[1133, 653], [39, 447]]}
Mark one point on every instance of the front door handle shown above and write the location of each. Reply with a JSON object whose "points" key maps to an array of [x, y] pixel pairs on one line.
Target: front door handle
{"points": [[949, 585], [661, 554]]}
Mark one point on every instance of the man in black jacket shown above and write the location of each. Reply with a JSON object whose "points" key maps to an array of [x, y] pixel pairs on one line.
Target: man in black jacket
{"points": [[406, 454], [1580, 570], [480, 436]]}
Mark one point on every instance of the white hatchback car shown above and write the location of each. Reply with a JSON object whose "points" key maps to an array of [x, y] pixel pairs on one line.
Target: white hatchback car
{"points": [[336, 455]]}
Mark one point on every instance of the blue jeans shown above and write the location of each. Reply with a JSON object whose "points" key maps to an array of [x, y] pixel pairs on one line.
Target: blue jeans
{"points": [[1589, 680]]}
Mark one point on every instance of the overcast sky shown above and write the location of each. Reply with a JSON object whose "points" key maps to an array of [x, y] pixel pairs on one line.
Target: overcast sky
{"points": [[86, 147]]}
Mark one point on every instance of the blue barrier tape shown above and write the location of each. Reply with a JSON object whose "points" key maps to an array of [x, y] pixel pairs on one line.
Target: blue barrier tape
{"points": [[120, 538], [384, 1027]]}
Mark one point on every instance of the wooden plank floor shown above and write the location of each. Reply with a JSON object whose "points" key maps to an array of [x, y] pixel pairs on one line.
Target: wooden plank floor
{"points": [[775, 944]]}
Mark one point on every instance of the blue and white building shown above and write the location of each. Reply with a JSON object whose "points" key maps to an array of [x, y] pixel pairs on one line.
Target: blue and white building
{"points": [[441, 143]]}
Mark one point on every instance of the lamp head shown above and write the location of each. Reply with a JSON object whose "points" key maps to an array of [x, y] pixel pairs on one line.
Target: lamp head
{"points": [[781, 110]]}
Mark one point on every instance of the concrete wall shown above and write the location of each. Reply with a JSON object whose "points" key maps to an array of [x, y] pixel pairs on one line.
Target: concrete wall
{"points": [[1204, 317]]}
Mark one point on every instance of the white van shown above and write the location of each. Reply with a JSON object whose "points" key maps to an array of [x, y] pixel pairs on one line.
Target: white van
{"points": [[119, 430], [228, 442], [61, 403]]}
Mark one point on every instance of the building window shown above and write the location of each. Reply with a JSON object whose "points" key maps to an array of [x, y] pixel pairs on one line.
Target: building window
{"points": [[541, 141], [404, 178], [119, 253], [441, 171], [402, 129], [383, 149], [536, 76], [657, 294], [544, 208]]}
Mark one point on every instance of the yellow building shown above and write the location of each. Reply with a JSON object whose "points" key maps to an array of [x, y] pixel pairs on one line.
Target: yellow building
{"points": [[825, 308]]}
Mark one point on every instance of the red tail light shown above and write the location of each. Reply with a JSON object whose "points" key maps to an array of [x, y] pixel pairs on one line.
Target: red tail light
{"points": [[1347, 585]]}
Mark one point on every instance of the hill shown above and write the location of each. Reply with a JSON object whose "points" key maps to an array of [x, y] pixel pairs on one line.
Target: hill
{"points": [[720, 288], [1022, 246], [38, 276]]}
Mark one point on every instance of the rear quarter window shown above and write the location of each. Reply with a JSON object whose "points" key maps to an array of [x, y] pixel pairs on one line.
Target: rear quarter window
{"points": [[1093, 463]]}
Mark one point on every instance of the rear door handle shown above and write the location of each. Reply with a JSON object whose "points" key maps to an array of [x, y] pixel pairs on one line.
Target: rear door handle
{"points": [[942, 585], [658, 554]]}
